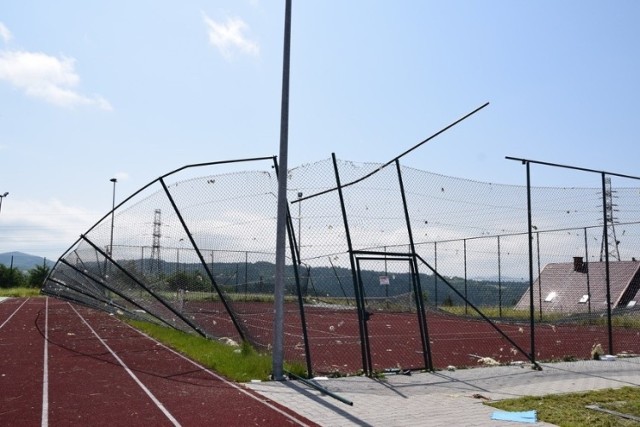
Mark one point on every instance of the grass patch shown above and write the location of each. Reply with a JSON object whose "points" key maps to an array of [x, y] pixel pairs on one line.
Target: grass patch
{"points": [[20, 292], [569, 409], [493, 312], [487, 311], [630, 322], [240, 364]]}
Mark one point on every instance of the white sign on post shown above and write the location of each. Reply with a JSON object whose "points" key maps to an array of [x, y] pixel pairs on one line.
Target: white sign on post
{"points": [[384, 280]]}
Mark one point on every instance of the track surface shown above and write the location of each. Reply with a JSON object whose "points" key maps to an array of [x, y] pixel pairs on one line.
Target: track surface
{"points": [[61, 364], [334, 338]]}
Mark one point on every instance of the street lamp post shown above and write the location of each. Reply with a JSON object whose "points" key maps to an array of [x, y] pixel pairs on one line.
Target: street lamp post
{"points": [[281, 230], [2, 196], [113, 208]]}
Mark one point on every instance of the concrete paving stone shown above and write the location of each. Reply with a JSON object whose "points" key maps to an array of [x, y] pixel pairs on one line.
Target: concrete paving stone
{"points": [[444, 398]]}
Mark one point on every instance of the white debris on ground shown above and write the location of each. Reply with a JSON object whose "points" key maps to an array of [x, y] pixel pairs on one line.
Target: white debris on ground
{"points": [[229, 341], [487, 361], [596, 352]]}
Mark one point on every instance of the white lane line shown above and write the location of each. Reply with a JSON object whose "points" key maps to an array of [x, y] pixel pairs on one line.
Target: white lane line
{"points": [[131, 374], [45, 369], [14, 312], [224, 380]]}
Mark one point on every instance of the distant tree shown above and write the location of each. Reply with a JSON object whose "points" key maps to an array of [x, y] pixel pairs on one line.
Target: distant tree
{"points": [[37, 276], [11, 277], [186, 281], [448, 301], [425, 297]]}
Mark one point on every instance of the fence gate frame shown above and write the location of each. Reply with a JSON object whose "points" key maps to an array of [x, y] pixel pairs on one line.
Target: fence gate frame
{"points": [[363, 315]]}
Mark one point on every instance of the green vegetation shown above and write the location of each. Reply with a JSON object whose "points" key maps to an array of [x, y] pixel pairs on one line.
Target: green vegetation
{"points": [[15, 278], [19, 292], [632, 322], [489, 311], [621, 321], [242, 363], [569, 409]]}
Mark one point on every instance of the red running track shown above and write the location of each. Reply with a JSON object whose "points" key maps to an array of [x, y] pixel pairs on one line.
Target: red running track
{"points": [[61, 364]]}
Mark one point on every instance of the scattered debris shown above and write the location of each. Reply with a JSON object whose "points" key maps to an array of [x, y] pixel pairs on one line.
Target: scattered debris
{"points": [[479, 396], [487, 361], [229, 341], [451, 368], [398, 371], [626, 354], [615, 413], [596, 352]]}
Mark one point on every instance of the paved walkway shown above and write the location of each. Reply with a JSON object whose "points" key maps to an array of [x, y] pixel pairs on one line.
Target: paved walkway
{"points": [[444, 398]]}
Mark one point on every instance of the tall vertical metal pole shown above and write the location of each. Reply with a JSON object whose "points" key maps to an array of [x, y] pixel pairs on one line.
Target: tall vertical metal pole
{"points": [[355, 275], [422, 317], [435, 276], [606, 260], [539, 277], [113, 208], [299, 227], [499, 281], [530, 237], [586, 257], [278, 321], [466, 298], [2, 196]]}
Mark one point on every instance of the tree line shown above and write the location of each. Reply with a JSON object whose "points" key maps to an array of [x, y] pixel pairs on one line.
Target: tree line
{"points": [[16, 278]]}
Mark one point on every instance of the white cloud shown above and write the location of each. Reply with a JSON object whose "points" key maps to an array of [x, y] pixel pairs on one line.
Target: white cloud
{"points": [[229, 37], [46, 77], [44, 228], [5, 34]]}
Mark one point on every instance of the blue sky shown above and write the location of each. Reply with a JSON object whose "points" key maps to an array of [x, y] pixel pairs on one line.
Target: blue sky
{"points": [[95, 90]]}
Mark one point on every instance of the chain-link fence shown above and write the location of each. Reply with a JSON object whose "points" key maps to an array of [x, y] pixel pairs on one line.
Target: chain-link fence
{"points": [[388, 267]]}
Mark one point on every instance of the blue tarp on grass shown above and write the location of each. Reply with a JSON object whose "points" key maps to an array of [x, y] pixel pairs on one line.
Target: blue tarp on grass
{"points": [[521, 417]]}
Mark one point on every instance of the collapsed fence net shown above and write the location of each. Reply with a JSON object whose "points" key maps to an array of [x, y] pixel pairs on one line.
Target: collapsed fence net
{"points": [[405, 269]]}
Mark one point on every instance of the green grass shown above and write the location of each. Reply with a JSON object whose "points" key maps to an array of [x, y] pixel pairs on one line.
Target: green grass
{"points": [[240, 364], [632, 322], [492, 312], [20, 292], [569, 409], [625, 321]]}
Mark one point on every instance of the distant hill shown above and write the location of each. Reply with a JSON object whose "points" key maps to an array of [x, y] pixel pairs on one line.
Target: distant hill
{"points": [[22, 261]]}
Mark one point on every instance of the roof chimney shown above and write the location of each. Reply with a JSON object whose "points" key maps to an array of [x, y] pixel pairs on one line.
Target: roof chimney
{"points": [[578, 264]]}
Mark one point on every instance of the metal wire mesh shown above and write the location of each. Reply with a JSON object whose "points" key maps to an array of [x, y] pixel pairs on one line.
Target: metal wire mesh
{"points": [[402, 269]]}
